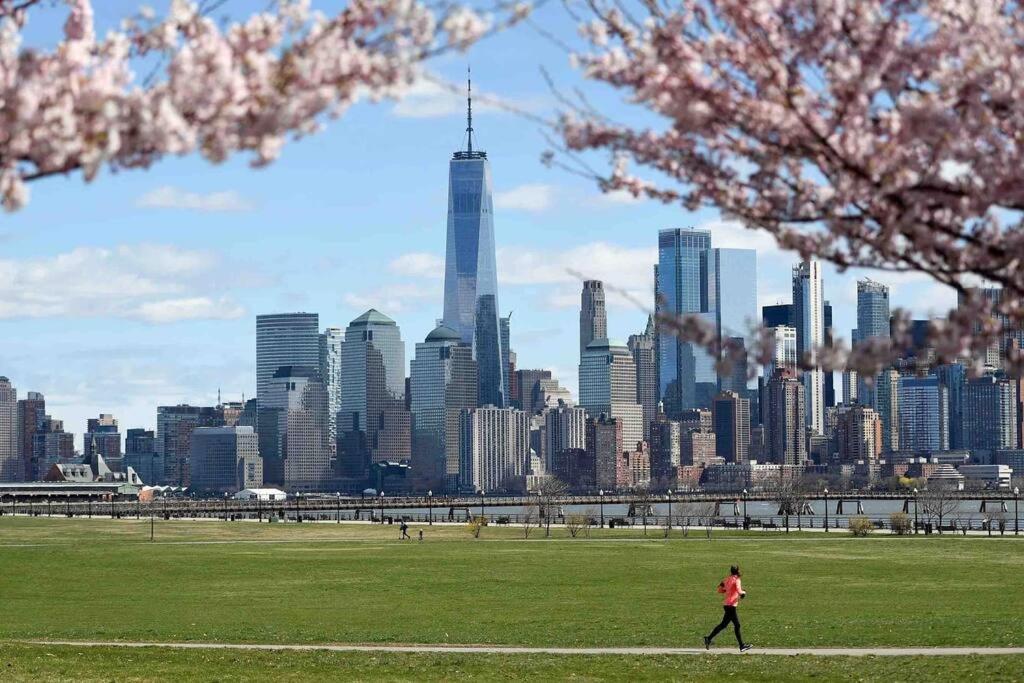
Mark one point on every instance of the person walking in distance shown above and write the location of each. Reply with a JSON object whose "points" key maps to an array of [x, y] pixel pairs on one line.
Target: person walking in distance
{"points": [[734, 592], [404, 528]]}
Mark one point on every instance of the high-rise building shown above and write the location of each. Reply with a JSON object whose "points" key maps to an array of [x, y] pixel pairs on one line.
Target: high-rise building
{"points": [[508, 357], [51, 445], [777, 315], [330, 374], [666, 454], [293, 439], [608, 386], [830, 340], [444, 383], [731, 418], [954, 377], [604, 441], [471, 273], [989, 413], [872, 325], [859, 434], [101, 436], [593, 316], [140, 454], [31, 412], [549, 393], [1011, 333], [373, 424], [174, 427], [785, 420], [735, 306], [495, 449], [849, 387], [642, 348], [686, 372], [11, 464], [809, 319], [565, 428], [526, 396], [225, 459], [783, 340], [923, 414], [887, 404], [285, 339]]}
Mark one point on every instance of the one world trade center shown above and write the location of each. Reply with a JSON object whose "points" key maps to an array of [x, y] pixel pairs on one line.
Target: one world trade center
{"points": [[470, 276]]}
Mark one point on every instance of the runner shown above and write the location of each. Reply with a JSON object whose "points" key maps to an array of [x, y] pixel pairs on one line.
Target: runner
{"points": [[734, 592]]}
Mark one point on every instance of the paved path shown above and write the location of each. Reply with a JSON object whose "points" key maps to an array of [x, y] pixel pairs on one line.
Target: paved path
{"points": [[502, 649]]}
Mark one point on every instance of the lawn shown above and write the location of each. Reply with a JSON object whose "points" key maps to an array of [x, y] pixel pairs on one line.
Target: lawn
{"points": [[310, 583]]}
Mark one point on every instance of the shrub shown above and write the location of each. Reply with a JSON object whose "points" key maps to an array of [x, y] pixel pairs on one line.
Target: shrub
{"points": [[861, 526], [900, 523], [475, 525]]}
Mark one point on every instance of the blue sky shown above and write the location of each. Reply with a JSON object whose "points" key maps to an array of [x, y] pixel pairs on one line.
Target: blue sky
{"points": [[141, 289]]}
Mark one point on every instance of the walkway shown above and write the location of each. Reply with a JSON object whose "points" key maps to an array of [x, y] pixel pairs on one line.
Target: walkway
{"points": [[516, 650]]}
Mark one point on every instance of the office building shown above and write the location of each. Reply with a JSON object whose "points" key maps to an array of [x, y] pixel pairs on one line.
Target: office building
{"points": [[645, 361], [953, 376], [51, 445], [443, 383], [11, 464], [373, 424], [140, 454], [989, 413], [225, 460], [174, 427], [471, 273], [872, 325], [809, 320], [31, 412], [608, 386], [731, 423], [495, 449], [923, 415], [527, 396], [735, 306], [101, 436], [293, 437], [785, 419], [604, 441], [285, 339], [887, 404], [593, 316], [565, 428], [777, 315], [330, 374]]}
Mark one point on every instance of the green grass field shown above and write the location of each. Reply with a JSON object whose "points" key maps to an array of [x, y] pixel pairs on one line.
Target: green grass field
{"points": [[320, 583]]}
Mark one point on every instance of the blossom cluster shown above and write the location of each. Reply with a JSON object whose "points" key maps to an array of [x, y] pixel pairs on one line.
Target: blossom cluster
{"points": [[881, 134], [182, 83]]}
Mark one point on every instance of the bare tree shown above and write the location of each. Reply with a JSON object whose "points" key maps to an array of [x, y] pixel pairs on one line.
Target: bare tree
{"points": [[939, 501], [784, 494], [475, 525], [642, 502], [591, 519], [575, 524], [530, 515], [551, 489], [706, 515]]}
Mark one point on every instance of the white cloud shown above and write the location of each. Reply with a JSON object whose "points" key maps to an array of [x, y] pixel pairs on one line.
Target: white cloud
{"points": [[149, 282], [168, 197], [727, 234], [626, 267], [618, 197], [418, 264], [534, 197], [394, 298]]}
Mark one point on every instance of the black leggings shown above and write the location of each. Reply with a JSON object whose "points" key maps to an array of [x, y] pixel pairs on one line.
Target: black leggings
{"points": [[729, 616]]}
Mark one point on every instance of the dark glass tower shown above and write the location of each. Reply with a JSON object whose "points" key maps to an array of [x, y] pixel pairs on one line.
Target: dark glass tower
{"points": [[471, 274]]}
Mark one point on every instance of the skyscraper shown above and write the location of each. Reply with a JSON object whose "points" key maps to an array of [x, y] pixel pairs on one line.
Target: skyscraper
{"points": [[31, 412], [872, 324], [443, 383], [373, 424], [225, 459], [174, 427], [593, 317], [989, 413], [608, 386], [285, 339], [471, 274], [785, 420], [293, 430], [731, 417], [686, 373], [735, 305], [495, 448], [642, 348], [565, 429], [51, 445], [859, 434], [809, 319], [923, 414], [11, 465], [330, 375], [140, 454], [887, 404]]}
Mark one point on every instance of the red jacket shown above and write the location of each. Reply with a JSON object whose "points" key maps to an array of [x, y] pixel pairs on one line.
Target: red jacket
{"points": [[733, 589]]}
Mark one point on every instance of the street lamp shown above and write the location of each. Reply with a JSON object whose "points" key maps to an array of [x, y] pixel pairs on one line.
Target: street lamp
{"points": [[670, 510], [481, 505], [826, 509], [225, 506], [601, 494], [339, 507], [1016, 510], [430, 506], [745, 523], [915, 510], [382, 507]]}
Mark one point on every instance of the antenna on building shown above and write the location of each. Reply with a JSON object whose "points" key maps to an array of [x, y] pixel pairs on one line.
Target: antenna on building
{"points": [[469, 109], [218, 397]]}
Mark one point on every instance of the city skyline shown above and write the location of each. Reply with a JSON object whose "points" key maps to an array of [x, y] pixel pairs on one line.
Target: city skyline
{"points": [[157, 276]]}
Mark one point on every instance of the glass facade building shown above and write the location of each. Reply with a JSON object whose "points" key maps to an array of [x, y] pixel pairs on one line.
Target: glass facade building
{"points": [[443, 383], [923, 414], [293, 431], [608, 386], [809, 321], [285, 339]]}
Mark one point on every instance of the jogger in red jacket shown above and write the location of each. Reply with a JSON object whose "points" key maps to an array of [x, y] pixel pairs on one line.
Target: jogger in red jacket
{"points": [[733, 589]]}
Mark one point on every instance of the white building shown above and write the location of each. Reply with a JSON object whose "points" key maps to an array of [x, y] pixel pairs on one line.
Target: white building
{"points": [[608, 387], [261, 494], [989, 476], [809, 312], [494, 448]]}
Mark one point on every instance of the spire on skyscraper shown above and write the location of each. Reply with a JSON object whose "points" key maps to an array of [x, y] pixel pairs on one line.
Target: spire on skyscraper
{"points": [[469, 110]]}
